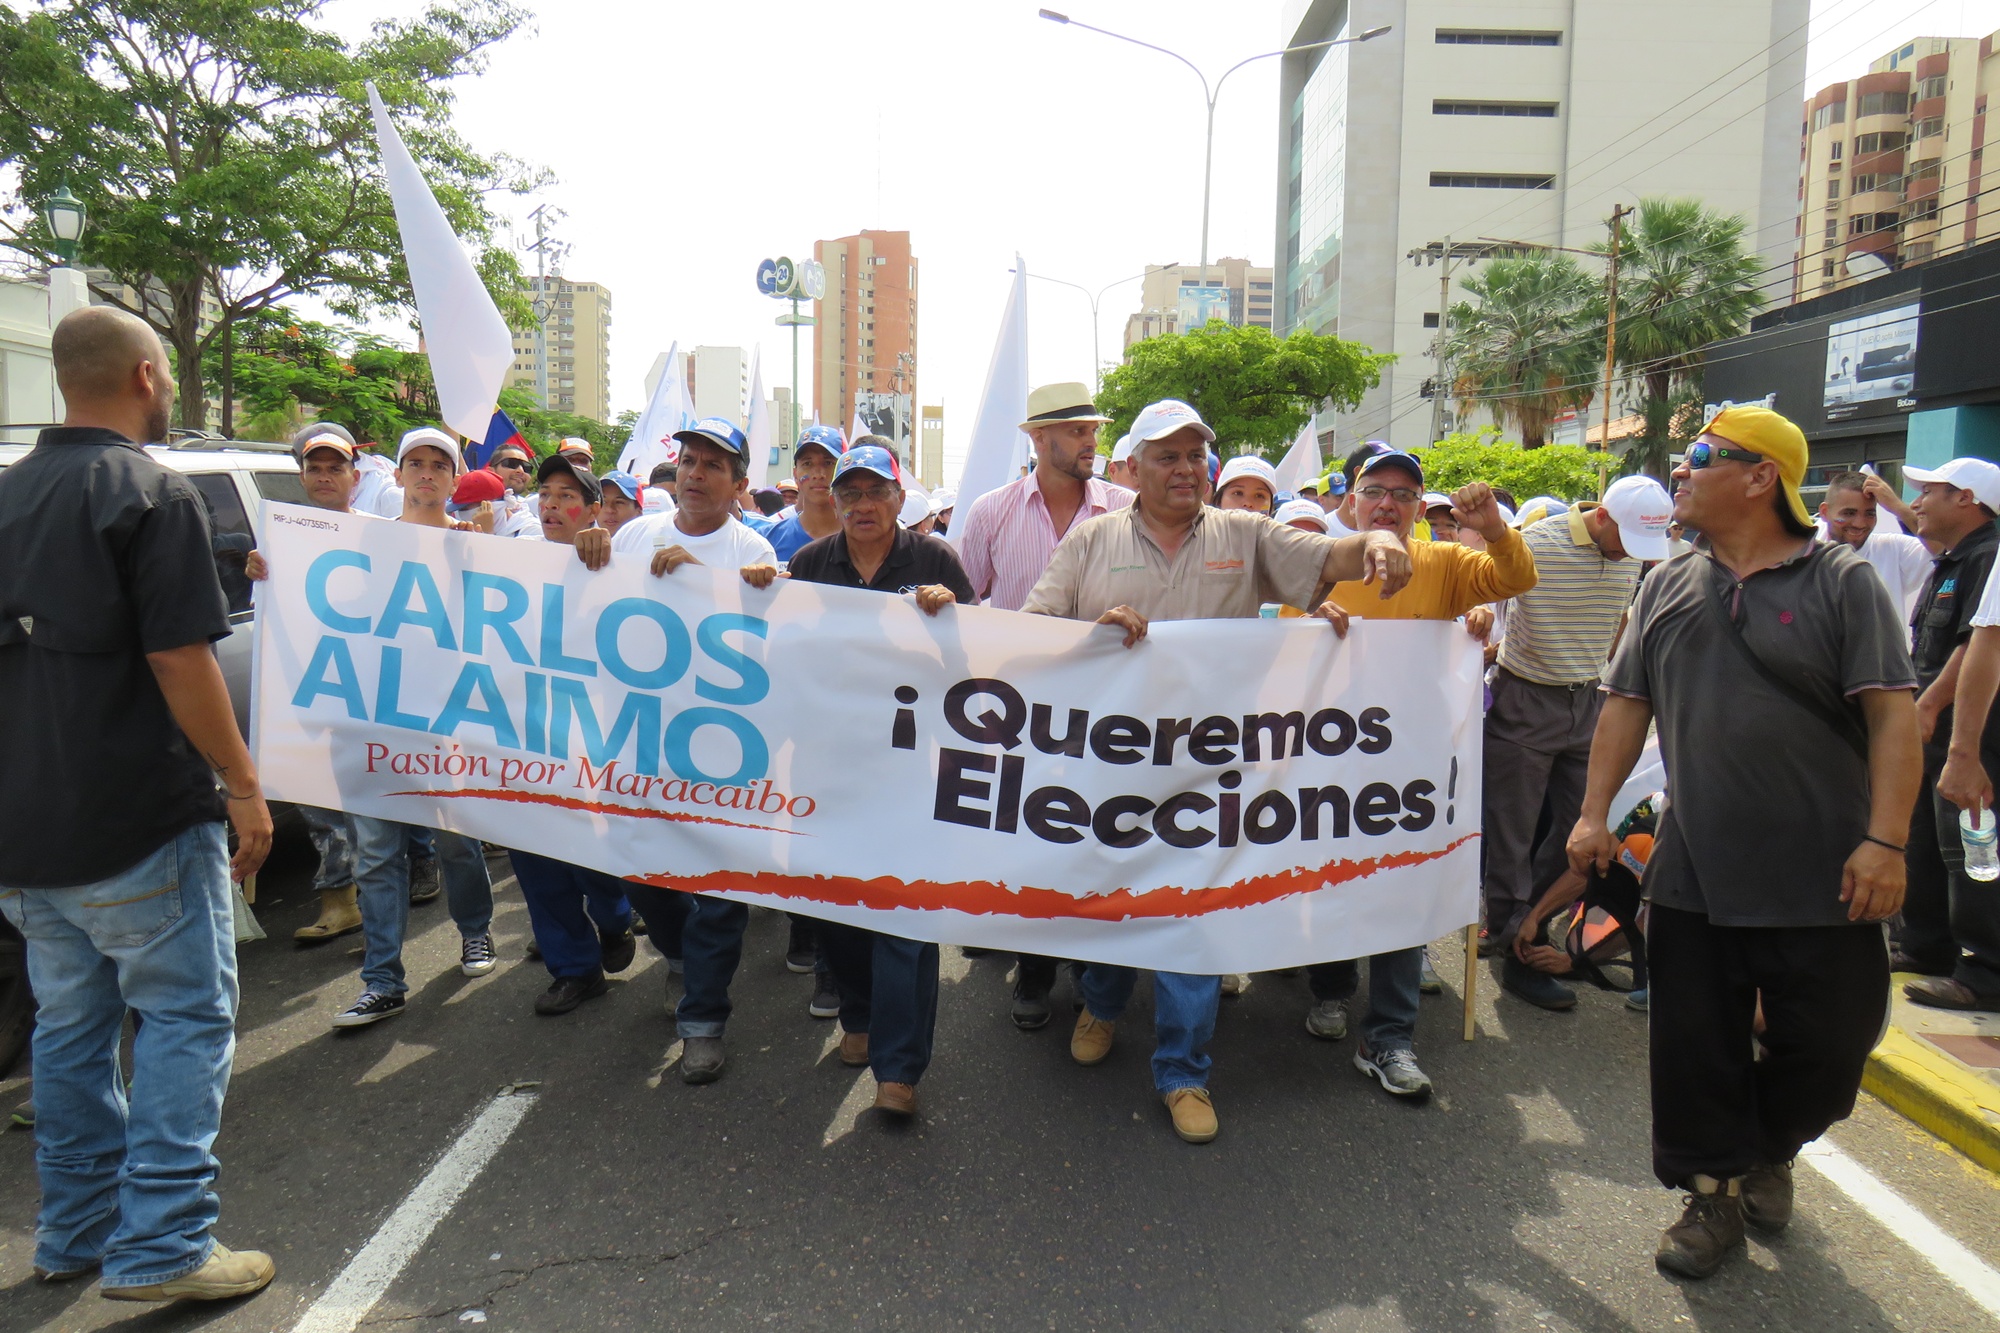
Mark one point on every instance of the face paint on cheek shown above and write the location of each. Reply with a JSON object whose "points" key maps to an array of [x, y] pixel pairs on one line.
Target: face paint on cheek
{"points": [[575, 512]]}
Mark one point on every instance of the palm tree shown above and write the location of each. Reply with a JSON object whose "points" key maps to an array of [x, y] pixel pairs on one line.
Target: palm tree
{"points": [[1524, 348], [1684, 281]]}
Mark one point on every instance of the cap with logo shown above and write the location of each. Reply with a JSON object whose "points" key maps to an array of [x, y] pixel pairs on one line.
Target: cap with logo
{"points": [[827, 438], [1248, 465], [1301, 511], [324, 435], [1765, 433], [574, 444], [1377, 455], [718, 431], [1967, 474], [1060, 404], [1643, 511], [872, 458], [625, 484], [565, 464], [1159, 420], [435, 439]]}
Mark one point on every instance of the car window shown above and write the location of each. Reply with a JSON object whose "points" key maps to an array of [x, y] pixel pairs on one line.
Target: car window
{"points": [[284, 487], [229, 534]]}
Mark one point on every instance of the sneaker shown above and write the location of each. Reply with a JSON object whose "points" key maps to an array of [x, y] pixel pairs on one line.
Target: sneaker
{"points": [[476, 957], [226, 1274], [370, 1008], [1639, 1000], [566, 993], [1537, 988], [1031, 1004], [1766, 1192], [1429, 982], [1194, 1114], [825, 1002], [1235, 983], [702, 1059], [424, 882], [616, 951], [1327, 1020], [1397, 1071], [1709, 1229], [1490, 943], [802, 950]]}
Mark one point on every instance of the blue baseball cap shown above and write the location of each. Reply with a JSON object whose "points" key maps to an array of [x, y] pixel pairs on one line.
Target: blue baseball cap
{"points": [[869, 458], [623, 482], [828, 438], [718, 431], [1377, 454]]}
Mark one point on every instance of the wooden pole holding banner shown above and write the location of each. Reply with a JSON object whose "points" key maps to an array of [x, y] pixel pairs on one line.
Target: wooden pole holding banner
{"points": [[1471, 974]]}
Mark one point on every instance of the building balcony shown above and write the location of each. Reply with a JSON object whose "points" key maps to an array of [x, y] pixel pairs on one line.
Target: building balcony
{"points": [[1883, 243]]}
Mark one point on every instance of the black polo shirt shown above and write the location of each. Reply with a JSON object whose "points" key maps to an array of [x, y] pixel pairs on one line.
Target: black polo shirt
{"points": [[915, 561], [104, 557], [1943, 618]]}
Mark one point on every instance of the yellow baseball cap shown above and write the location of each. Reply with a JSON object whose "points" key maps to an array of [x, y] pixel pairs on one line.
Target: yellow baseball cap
{"points": [[1762, 431]]}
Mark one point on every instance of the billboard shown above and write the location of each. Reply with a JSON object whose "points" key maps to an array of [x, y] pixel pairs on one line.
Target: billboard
{"points": [[1201, 304], [1870, 358]]}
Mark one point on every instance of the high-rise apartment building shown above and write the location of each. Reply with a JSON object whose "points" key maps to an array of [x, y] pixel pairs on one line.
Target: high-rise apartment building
{"points": [[1175, 297], [1889, 164], [1518, 120], [579, 347], [865, 340], [930, 449]]}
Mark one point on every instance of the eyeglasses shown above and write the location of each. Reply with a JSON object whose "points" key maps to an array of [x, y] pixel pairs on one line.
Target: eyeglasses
{"points": [[1402, 495], [848, 497], [517, 464], [1702, 454]]}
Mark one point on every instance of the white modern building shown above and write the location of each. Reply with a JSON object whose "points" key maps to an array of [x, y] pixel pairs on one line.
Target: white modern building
{"points": [[1525, 120], [28, 398], [719, 379]]}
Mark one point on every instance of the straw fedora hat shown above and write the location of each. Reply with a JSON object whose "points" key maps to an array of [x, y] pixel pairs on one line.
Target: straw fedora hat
{"points": [[1058, 404]]}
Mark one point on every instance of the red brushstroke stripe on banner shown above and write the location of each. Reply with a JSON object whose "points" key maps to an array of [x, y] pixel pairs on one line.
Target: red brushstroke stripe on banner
{"points": [[989, 899], [595, 807]]}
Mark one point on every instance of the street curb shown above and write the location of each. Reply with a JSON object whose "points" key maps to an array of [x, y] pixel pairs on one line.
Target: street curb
{"points": [[1928, 1087]]}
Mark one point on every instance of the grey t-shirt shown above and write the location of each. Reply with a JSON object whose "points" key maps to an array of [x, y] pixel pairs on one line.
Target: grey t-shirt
{"points": [[1765, 800]]}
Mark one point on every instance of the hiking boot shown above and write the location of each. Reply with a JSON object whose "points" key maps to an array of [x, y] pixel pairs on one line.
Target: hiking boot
{"points": [[1766, 1192], [702, 1059], [1091, 1041], [476, 957], [1194, 1114], [802, 949], [854, 1049], [424, 882], [1397, 1071], [226, 1274], [1709, 1229], [337, 916], [1031, 1010], [1428, 980], [370, 1008], [566, 993], [1537, 988], [896, 1098], [1327, 1020], [1235, 983], [825, 1002], [616, 949]]}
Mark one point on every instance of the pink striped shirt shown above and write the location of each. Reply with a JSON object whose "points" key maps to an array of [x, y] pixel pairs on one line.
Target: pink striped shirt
{"points": [[1010, 537]]}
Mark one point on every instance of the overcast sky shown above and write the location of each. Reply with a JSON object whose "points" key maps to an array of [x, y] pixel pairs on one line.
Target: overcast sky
{"points": [[691, 139]]}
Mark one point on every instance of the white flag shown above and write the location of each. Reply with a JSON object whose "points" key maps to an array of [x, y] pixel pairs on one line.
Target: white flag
{"points": [[469, 345], [857, 428], [669, 410], [757, 429], [1301, 461], [997, 439]]}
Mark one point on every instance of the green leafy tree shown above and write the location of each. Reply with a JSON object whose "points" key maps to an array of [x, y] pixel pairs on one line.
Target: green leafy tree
{"points": [[287, 371], [541, 428], [1566, 471], [1254, 389], [1666, 427], [1684, 281], [226, 154], [1522, 346]]}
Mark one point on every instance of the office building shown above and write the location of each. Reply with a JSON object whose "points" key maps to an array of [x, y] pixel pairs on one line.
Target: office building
{"points": [[579, 347], [1889, 164], [930, 449], [1175, 297], [1524, 120], [865, 340], [719, 382]]}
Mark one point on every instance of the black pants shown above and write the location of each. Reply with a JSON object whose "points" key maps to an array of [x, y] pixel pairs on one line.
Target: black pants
{"points": [[1950, 922], [1717, 1110]]}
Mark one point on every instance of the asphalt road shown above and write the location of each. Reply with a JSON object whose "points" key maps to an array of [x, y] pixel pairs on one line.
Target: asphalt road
{"points": [[1030, 1194]]}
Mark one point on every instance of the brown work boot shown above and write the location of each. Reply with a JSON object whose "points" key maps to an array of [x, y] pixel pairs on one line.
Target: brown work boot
{"points": [[1091, 1041], [1767, 1197], [854, 1049], [1193, 1113], [226, 1274], [337, 916], [896, 1098], [1709, 1229]]}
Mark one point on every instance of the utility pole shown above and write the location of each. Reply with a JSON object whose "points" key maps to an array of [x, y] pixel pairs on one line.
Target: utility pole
{"points": [[1447, 254], [544, 246], [1610, 345]]}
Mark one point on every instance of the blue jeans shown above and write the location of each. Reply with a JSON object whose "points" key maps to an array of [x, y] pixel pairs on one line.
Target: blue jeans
{"points": [[1183, 1018], [666, 912], [127, 1181], [382, 873], [711, 947], [569, 906], [332, 834], [1394, 982], [889, 990]]}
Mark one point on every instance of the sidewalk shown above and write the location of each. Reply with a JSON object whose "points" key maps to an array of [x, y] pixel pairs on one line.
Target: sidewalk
{"points": [[1941, 1068]]}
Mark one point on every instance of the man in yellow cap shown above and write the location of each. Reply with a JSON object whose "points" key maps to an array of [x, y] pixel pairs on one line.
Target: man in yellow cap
{"points": [[1777, 669]]}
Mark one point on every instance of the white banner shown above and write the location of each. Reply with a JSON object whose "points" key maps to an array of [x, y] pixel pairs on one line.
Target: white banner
{"points": [[1225, 797]]}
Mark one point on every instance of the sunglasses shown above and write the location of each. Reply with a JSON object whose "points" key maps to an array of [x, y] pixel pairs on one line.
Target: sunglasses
{"points": [[513, 464], [1702, 454]]}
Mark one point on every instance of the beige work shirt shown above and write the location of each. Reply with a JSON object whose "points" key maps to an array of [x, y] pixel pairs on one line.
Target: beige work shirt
{"points": [[1231, 561]]}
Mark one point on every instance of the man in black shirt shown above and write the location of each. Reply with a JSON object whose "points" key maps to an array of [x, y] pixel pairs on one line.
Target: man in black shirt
{"points": [[888, 986], [118, 735]]}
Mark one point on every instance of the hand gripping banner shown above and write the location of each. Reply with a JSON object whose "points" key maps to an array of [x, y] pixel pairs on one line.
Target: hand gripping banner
{"points": [[1226, 796]]}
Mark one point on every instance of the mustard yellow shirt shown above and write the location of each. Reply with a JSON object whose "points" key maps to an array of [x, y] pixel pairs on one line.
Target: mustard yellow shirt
{"points": [[1446, 581]]}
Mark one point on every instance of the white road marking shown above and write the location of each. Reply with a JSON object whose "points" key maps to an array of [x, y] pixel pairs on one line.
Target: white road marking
{"points": [[1958, 1265], [353, 1293]]}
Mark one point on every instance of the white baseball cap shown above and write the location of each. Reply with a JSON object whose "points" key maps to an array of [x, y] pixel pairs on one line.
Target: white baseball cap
{"points": [[916, 506], [1247, 465], [1164, 418], [1122, 451], [1301, 511], [1643, 512], [1435, 499], [943, 498], [1967, 474], [436, 439]]}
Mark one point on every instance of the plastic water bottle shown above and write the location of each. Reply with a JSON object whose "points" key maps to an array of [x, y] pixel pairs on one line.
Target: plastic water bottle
{"points": [[1979, 834], [1269, 610]]}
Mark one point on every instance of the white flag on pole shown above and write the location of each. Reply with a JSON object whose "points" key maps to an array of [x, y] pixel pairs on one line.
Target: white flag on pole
{"points": [[469, 345], [856, 429], [1301, 462], [669, 410], [757, 427], [996, 442]]}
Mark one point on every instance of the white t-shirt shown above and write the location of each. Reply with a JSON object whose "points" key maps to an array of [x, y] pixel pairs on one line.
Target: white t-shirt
{"points": [[1904, 564], [1989, 605], [514, 516], [731, 546]]}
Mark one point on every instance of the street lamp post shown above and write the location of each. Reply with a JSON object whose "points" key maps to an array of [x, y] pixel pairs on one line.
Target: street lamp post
{"points": [[1096, 356], [1210, 94], [65, 216]]}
